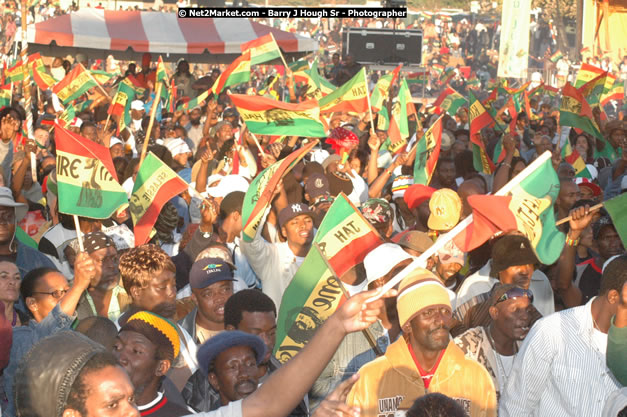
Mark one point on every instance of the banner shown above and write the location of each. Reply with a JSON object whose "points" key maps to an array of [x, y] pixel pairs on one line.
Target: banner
{"points": [[514, 48]]}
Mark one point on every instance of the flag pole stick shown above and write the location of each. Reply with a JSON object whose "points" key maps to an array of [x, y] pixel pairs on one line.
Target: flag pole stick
{"points": [[421, 261], [365, 332], [567, 219], [369, 106], [79, 234], [26, 89], [153, 111], [257, 143]]}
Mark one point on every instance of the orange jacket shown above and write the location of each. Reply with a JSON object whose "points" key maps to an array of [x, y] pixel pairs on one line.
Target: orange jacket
{"points": [[392, 382]]}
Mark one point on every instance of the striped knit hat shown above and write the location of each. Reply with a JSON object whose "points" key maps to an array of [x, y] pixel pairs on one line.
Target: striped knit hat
{"points": [[157, 329], [419, 290]]}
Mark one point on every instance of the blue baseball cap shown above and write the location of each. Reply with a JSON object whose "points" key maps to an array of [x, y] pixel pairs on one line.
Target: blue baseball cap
{"points": [[208, 271], [209, 350]]}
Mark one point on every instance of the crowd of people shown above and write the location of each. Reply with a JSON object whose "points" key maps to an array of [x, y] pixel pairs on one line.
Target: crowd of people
{"points": [[188, 323]]}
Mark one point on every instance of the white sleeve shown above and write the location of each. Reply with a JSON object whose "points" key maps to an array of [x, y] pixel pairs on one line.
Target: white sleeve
{"points": [[233, 409]]}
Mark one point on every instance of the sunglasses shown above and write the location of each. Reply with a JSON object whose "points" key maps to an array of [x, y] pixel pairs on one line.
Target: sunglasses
{"points": [[515, 293]]}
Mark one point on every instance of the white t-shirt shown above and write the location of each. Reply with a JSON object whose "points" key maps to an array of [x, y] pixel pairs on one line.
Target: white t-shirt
{"points": [[233, 409]]}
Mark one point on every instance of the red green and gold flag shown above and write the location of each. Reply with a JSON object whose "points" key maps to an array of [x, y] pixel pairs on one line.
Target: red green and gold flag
{"points": [[5, 95], [528, 208], [102, 77], [300, 65], [155, 185], [318, 86], [140, 88], [352, 96], [450, 101], [195, 102], [447, 76], [261, 190], [75, 84], [43, 80], [575, 112], [427, 153], [420, 77], [87, 183], [161, 73], [172, 90], [571, 156], [236, 73], [121, 104], [67, 116], [439, 69], [479, 119], [404, 95], [587, 73], [398, 130], [556, 56], [616, 93], [262, 49], [342, 241], [593, 89], [381, 89], [15, 73], [473, 82], [265, 116]]}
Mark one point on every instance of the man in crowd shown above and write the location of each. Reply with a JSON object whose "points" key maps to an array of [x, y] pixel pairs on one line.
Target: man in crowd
{"points": [[276, 263], [211, 280], [495, 346], [146, 347], [424, 360], [104, 297], [561, 368]]}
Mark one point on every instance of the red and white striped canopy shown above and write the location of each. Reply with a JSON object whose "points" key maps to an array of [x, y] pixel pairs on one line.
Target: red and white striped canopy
{"points": [[128, 34]]}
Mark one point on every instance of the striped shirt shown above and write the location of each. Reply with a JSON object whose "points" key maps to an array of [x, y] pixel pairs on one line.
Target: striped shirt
{"points": [[560, 369]]}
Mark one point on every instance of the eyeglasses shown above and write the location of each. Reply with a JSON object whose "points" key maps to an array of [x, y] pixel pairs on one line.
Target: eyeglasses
{"points": [[56, 293], [515, 293]]}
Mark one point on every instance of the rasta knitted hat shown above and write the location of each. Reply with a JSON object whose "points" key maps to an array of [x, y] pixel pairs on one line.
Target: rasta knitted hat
{"points": [[155, 328]]}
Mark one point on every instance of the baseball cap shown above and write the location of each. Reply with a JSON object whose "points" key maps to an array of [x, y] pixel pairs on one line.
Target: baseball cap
{"points": [[446, 208], [208, 271], [382, 259], [137, 105], [317, 185], [585, 182], [450, 253], [377, 210], [293, 210], [417, 194], [209, 350], [418, 241]]}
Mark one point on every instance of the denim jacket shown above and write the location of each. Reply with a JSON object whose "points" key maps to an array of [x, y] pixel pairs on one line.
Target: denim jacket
{"points": [[24, 338]]}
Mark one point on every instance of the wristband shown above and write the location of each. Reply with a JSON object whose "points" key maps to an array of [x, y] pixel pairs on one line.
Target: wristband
{"points": [[506, 164], [572, 242]]}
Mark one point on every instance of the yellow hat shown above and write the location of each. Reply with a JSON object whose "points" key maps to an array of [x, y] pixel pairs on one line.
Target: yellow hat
{"points": [[419, 290], [446, 208], [155, 328]]}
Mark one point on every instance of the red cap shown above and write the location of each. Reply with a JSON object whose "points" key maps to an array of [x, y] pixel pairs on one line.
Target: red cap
{"points": [[417, 194]]}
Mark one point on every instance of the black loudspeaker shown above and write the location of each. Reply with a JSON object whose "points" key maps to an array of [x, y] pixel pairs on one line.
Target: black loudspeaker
{"points": [[383, 46]]}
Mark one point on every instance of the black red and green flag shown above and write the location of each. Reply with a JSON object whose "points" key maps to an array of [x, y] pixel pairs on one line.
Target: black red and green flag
{"points": [[352, 96], [479, 119], [265, 116], [86, 179], [260, 193], [155, 185], [528, 208], [381, 89], [427, 153], [576, 112], [75, 84], [342, 241]]}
